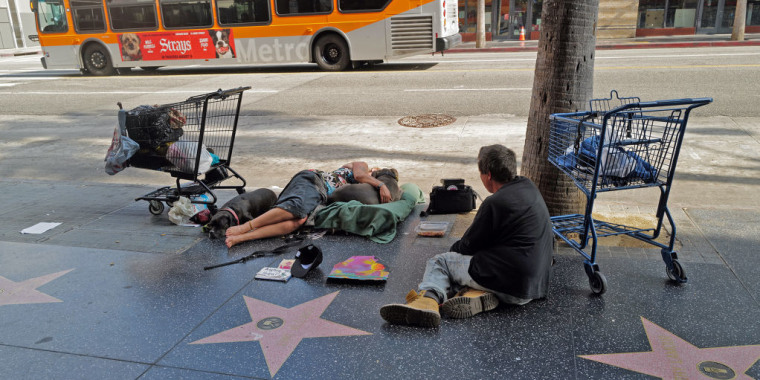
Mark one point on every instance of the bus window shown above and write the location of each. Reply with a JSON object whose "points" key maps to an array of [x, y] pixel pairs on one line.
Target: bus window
{"points": [[88, 16], [51, 15], [362, 5], [132, 14], [233, 12], [186, 14], [300, 7]]}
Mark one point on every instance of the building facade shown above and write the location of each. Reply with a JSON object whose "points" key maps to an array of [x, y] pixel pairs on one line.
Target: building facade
{"points": [[505, 19]]}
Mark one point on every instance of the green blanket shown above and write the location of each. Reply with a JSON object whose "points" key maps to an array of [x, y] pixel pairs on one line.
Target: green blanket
{"points": [[376, 222]]}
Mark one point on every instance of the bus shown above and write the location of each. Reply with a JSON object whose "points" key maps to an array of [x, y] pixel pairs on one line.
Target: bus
{"points": [[106, 37]]}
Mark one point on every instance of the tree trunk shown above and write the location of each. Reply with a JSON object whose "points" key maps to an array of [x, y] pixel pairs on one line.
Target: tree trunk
{"points": [[740, 20], [480, 33], [563, 82]]}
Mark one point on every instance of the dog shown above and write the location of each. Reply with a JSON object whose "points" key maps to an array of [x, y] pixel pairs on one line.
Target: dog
{"points": [[222, 45], [366, 193], [240, 210], [130, 47]]}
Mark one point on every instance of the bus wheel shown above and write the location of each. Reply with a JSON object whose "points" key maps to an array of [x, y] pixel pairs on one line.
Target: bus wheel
{"points": [[97, 61], [331, 53]]}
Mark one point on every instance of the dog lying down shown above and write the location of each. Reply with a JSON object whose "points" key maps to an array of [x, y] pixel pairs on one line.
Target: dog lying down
{"points": [[239, 210], [366, 193]]}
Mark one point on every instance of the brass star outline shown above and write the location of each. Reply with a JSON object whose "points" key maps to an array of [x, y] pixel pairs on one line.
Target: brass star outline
{"points": [[674, 358], [279, 330]]}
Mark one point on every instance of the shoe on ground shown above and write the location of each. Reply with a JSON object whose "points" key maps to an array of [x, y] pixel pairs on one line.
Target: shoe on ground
{"points": [[469, 302], [418, 311]]}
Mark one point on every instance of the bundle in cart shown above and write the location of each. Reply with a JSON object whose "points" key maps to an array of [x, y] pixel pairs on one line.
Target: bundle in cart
{"points": [[620, 144], [192, 140]]}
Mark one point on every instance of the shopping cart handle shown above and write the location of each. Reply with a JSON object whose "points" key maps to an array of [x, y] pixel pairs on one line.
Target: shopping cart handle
{"points": [[673, 102]]}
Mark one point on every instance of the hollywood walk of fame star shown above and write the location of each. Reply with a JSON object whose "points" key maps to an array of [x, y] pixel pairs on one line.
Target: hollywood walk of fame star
{"points": [[16, 293], [279, 330], [674, 358]]}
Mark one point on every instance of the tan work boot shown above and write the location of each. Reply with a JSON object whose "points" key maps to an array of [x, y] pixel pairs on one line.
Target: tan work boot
{"points": [[418, 311], [469, 302]]}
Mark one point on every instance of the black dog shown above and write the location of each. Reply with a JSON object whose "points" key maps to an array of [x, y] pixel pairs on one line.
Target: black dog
{"points": [[239, 210], [366, 193]]}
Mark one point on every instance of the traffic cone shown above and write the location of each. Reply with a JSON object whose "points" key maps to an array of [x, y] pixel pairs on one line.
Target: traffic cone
{"points": [[522, 33]]}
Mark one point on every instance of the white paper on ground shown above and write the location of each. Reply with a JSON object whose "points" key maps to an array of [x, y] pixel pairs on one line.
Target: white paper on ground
{"points": [[40, 228]]}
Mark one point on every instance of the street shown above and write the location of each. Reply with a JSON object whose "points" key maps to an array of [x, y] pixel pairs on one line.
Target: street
{"points": [[455, 84]]}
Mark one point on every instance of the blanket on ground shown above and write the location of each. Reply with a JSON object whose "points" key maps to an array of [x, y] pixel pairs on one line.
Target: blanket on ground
{"points": [[376, 222]]}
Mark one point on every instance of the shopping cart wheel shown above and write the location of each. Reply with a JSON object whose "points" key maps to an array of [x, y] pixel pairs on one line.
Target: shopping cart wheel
{"points": [[597, 282], [676, 273], [240, 190], [156, 207]]}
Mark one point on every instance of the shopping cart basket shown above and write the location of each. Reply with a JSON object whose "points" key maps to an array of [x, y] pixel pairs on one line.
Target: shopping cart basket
{"points": [[622, 143], [192, 140]]}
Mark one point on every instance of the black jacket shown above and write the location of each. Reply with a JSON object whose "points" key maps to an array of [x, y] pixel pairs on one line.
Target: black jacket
{"points": [[511, 241]]}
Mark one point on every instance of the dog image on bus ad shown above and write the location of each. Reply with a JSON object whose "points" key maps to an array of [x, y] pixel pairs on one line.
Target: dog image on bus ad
{"points": [[129, 43], [223, 45]]}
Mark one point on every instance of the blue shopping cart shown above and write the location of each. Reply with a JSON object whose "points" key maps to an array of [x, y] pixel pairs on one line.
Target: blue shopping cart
{"points": [[620, 144]]}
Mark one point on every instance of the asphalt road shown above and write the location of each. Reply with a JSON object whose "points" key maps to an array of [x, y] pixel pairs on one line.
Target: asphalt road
{"points": [[464, 84]]}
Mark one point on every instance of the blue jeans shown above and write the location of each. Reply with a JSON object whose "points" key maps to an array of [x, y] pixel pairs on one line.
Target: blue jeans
{"points": [[447, 273]]}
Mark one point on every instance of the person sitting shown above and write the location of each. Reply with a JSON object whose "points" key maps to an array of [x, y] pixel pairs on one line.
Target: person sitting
{"points": [[300, 197], [505, 255]]}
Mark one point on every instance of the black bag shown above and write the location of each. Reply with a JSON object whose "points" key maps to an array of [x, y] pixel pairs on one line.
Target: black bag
{"points": [[451, 198]]}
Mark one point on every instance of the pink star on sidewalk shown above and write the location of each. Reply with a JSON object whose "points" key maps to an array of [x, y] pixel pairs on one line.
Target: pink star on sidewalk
{"points": [[674, 358], [15, 293], [279, 330]]}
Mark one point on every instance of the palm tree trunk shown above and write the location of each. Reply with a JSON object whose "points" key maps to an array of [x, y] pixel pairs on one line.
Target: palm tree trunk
{"points": [[740, 21], [563, 82]]}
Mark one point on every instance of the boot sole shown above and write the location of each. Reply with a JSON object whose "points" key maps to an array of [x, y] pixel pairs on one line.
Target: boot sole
{"points": [[466, 307], [399, 314]]}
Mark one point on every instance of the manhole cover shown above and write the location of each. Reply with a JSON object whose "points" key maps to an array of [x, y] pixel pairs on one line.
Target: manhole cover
{"points": [[426, 121]]}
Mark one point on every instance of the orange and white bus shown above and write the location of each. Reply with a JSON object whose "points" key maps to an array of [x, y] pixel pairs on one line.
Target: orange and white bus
{"points": [[102, 37]]}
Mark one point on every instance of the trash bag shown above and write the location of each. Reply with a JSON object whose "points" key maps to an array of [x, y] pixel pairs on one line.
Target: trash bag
{"points": [[152, 126], [121, 149]]}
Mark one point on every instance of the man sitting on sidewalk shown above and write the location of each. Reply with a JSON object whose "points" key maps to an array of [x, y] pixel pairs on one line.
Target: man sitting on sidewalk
{"points": [[505, 255]]}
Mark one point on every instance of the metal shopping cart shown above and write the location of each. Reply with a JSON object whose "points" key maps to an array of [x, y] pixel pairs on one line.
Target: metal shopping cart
{"points": [[192, 140], [620, 144]]}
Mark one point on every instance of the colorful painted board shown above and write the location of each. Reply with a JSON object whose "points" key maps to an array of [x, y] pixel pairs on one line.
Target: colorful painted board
{"points": [[365, 268]]}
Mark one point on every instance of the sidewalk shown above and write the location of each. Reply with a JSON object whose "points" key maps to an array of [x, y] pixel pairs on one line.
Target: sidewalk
{"points": [[700, 40], [115, 292]]}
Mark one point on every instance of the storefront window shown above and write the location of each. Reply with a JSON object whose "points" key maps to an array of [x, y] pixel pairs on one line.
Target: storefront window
{"points": [[753, 12], [651, 13], [681, 14], [667, 13]]}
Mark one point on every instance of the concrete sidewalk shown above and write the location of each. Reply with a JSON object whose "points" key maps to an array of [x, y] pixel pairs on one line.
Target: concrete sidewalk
{"points": [[699, 40], [115, 292]]}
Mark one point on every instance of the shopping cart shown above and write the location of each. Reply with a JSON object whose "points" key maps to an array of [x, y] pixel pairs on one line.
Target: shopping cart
{"points": [[620, 144], [192, 140]]}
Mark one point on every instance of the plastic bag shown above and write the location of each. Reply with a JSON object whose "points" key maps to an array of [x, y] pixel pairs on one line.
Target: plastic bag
{"points": [[183, 210], [121, 149], [182, 155]]}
